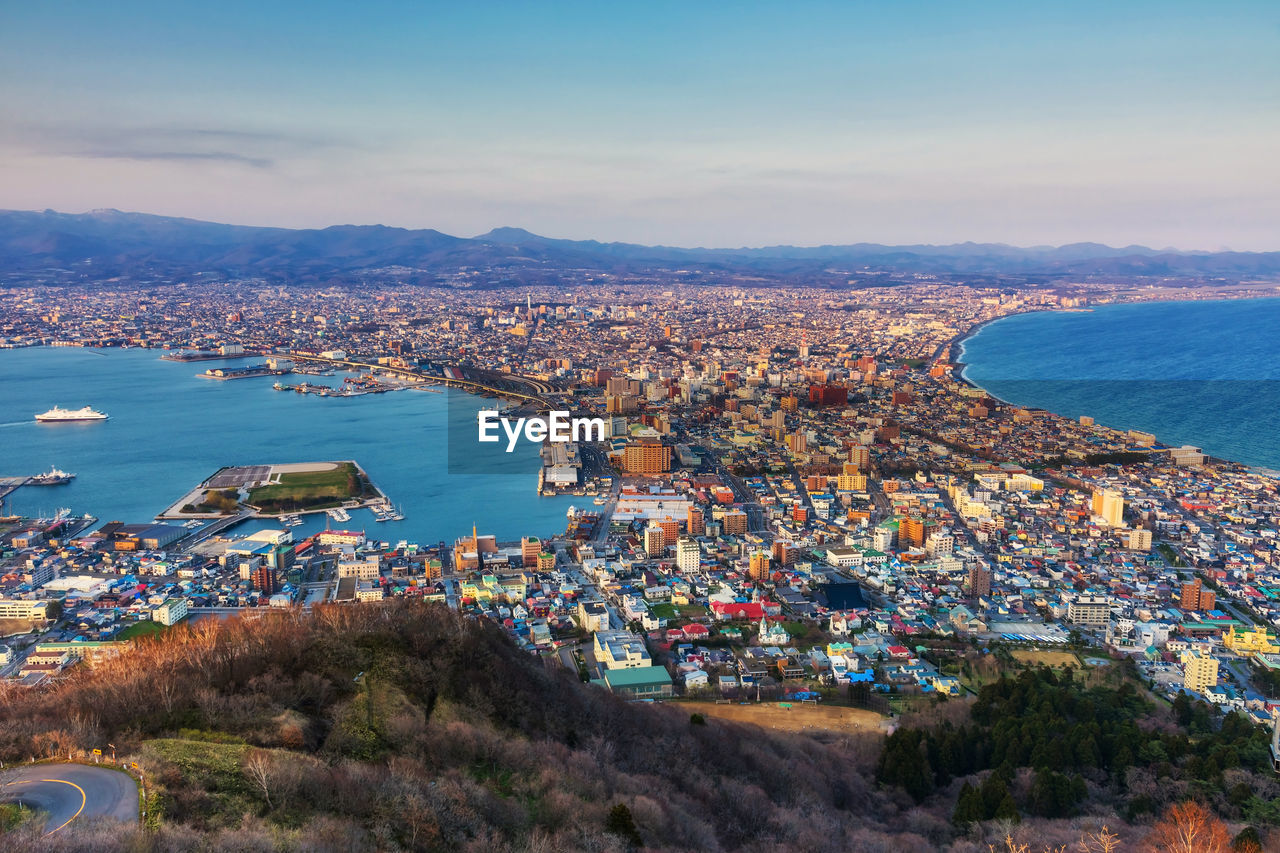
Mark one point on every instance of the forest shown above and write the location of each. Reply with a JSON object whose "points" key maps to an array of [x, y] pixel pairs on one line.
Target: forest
{"points": [[405, 726]]}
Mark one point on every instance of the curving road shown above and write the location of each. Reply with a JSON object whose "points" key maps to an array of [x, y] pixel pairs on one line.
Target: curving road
{"points": [[69, 792]]}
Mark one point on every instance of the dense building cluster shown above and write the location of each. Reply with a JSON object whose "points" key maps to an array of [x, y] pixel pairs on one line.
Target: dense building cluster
{"points": [[796, 490]]}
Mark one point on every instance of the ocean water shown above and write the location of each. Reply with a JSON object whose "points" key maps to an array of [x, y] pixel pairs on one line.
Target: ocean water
{"points": [[1201, 373], [169, 429]]}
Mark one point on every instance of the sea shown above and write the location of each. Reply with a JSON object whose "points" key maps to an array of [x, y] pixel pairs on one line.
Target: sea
{"points": [[1204, 373], [169, 429]]}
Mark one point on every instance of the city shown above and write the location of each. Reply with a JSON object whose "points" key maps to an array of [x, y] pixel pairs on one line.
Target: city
{"points": [[630, 428], [798, 501]]}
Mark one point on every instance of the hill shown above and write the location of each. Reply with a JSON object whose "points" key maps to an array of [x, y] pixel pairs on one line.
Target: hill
{"points": [[106, 244], [406, 726]]}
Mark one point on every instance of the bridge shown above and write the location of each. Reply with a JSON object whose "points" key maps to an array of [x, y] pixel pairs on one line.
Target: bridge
{"points": [[200, 534], [486, 381]]}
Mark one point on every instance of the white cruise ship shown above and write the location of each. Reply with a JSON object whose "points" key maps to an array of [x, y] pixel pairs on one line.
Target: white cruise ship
{"points": [[57, 413]]}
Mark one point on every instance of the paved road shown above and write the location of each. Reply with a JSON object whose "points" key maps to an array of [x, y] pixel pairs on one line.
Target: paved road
{"points": [[68, 792]]}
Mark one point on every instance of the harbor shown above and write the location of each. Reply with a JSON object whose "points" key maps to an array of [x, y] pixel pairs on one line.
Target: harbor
{"points": [[169, 430], [52, 477], [250, 372]]}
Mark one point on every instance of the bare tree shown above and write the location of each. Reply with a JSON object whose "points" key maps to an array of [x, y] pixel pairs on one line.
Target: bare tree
{"points": [[1102, 841], [258, 767], [1189, 828]]}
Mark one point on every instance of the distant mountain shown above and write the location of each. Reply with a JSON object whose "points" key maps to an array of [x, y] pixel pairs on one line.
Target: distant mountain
{"points": [[108, 243]]}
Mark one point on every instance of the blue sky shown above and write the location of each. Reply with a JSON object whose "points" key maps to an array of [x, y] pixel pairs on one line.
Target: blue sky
{"points": [[681, 123]]}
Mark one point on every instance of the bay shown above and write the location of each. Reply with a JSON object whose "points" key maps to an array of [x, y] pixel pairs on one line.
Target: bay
{"points": [[169, 429], [1205, 373]]}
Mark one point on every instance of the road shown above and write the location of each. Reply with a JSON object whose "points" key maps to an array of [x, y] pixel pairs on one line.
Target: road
{"points": [[741, 494], [70, 792]]}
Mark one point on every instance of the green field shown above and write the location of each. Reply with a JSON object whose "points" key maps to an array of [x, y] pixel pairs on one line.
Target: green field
{"points": [[144, 628], [310, 489]]}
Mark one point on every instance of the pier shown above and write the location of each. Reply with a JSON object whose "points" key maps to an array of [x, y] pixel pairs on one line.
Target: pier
{"points": [[9, 485]]}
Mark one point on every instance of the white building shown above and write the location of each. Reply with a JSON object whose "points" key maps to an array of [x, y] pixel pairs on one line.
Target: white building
{"points": [[171, 612], [688, 555]]}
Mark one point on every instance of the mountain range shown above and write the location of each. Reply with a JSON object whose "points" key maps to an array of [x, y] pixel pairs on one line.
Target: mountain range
{"points": [[105, 244]]}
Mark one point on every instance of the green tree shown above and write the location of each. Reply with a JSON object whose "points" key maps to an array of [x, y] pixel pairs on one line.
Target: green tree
{"points": [[620, 823], [968, 807]]}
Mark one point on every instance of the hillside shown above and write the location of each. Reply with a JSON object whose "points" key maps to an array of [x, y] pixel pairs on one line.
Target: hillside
{"points": [[104, 244], [404, 726]]}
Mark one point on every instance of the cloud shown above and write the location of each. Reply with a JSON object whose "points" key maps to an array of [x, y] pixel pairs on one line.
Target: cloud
{"points": [[258, 149], [181, 157]]}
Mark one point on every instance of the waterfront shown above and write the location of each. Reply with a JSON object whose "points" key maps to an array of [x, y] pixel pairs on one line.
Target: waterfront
{"points": [[168, 430], [1202, 372]]}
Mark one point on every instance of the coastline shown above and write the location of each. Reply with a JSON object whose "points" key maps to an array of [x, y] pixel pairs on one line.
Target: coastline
{"points": [[955, 351], [205, 430]]}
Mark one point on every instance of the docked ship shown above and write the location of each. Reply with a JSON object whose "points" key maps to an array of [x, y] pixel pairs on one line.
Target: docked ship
{"points": [[57, 413], [53, 477]]}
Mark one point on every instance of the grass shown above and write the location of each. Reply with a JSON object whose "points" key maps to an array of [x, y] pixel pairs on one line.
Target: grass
{"points": [[217, 768], [800, 717], [142, 628], [667, 610], [310, 489], [1044, 657], [13, 815]]}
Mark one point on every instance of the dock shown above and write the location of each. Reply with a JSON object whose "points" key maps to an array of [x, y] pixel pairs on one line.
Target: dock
{"points": [[9, 485]]}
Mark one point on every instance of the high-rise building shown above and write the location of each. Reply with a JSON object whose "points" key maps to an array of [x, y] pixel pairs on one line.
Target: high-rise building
{"points": [[688, 555], [616, 404], [1199, 671], [860, 455], [941, 543], [1093, 611], [785, 552], [828, 395], [911, 532], [264, 580], [759, 567], [1195, 597], [696, 521], [851, 482], [654, 541], [647, 456], [670, 528], [530, 548], [734, 522], [979, 581], [1138, 539], [1109, 506], [621, 386]]}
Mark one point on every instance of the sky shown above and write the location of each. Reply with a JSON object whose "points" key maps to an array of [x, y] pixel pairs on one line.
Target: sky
{"points": [[690, 124]]}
